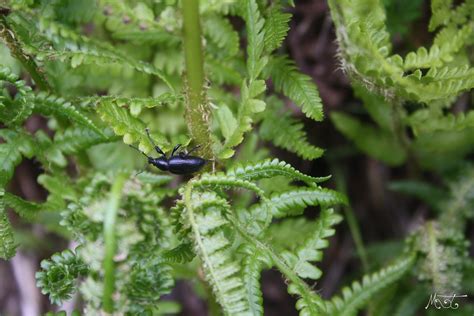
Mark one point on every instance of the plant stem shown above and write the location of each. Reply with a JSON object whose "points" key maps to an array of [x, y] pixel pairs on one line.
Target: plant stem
{"points": [[111, 242], [197, 109], [10, 38]]}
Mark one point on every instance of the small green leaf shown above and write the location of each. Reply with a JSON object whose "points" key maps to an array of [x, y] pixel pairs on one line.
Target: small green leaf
{"points": [[227, 121]]}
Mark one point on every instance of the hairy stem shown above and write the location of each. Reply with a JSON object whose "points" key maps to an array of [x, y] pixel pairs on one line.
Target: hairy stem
{"points": [[111, 242], [27, 61], [197, 109]]}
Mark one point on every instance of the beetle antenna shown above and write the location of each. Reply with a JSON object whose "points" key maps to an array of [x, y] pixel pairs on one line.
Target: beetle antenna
{"points": [[140, 172], [136, 148]]}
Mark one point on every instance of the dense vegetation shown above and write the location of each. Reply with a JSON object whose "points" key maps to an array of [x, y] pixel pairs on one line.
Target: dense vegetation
{"points": [[216, 74]]}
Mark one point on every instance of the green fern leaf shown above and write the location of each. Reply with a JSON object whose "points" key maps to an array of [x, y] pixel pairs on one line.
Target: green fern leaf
{"points": [[287, 133], [255, 39], [220, 181], [250, 105], [132, 129], [270, 168], [359, 294], [58, 275], [309, 302], [212, 246], [15, 112], [253, 263], [222, 33], [48, 104], [446, 44], [293, 202], [11, 152], [25, 209], [80, 49], [180, 254], [149, 280], [440, 12], [75, 139], [311, 250], [276, 27], [297, 86], [7, 239]]}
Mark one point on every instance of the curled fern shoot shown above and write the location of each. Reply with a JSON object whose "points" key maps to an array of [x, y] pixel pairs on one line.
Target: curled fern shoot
{"points": [[58, 275]]}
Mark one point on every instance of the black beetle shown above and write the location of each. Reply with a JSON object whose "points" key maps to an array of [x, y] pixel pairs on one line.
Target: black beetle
{"points": [[182, 163]]}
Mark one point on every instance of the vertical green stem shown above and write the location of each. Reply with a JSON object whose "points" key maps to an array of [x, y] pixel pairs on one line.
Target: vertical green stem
{"points": [[9, 37], [111, 242], [197, 109]]}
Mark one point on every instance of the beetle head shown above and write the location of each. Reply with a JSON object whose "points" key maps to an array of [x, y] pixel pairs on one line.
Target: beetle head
{"points": [[161, 163]]}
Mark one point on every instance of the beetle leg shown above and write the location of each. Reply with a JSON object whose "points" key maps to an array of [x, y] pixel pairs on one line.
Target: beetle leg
{"points": [[158, 149], [175, 149]]}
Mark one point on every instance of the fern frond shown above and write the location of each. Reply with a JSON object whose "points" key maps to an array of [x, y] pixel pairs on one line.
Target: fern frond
{"points": [[296, 86], [311, 250], [58, 276], [212, 246], [440, 12], [80, 49], [222, 33], [283, 235], [15, 112], [442, 83], [270, 168], [293, 202], [286, 132], [220, 181], [359, 294], [16, 145], [253, 263], [222, 71], [180, 254], [446, 44], [49, 104], [309, 303], [7, 239], [149, 280], [131, 128], [255, 39], [25, 209], [250, 105], [275, 28], [75, 139]]}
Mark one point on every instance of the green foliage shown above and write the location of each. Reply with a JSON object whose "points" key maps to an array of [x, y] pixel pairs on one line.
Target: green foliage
{"points": [[366, 56], [359, 294], [7, 240], [94, 91], [377, 143], [296, 86], [287, 132], [422, 126], [58, 275], [204, 217]]}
